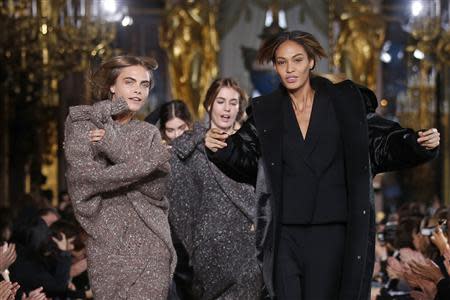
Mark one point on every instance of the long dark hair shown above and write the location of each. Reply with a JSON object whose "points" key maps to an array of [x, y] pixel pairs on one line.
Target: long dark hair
{"points": [[108, 72], [173, 109], [312, 47]]}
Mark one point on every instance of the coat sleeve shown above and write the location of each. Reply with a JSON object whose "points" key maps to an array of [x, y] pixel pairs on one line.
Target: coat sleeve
{"points": [[148, 147], [239, 159], [154, 184], [87, 178], [393, 147]]}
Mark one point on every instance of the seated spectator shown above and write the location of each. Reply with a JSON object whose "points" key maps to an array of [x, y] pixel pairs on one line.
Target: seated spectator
{"points": [[49, 215], [43, 261], [419, 268]]}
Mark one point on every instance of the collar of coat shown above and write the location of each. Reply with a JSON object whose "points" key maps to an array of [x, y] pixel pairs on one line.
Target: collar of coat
{"points": [[322, 84]]}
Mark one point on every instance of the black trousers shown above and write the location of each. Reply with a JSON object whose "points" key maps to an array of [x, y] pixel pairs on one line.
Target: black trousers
{"points": [[309, 262]]}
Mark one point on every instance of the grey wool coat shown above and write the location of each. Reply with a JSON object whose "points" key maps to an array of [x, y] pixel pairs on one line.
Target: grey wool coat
{"points": [[213, 216], [117, 188]]}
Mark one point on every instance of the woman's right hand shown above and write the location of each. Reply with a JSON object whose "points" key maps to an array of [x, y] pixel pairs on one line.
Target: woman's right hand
{"points": [[439, 240], [64, 244], [36, 294], [215, 139], [96, 135], [5, 290]]}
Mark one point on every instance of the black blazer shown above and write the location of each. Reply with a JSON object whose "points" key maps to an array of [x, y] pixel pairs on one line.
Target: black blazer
{"points": [[371, 145]]}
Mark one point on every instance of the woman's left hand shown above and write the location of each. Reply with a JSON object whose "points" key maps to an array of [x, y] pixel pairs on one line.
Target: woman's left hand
{"points": [[429, 139], [8, 256], [96, 135]]}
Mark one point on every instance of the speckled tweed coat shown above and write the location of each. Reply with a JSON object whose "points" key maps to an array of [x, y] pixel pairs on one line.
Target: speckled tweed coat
{"points": [[213, 216], [117, 187]]}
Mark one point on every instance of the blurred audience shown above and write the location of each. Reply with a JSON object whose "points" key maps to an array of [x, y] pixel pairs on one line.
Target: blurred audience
{"points": [[42, 253], [413, 255]]}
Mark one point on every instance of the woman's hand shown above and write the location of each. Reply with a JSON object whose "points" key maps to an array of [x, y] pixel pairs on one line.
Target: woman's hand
{"points": [[439, 240], [395, 268], [428, 271], [36, 294], [418, 295], [5, 290], [14, 288], [64, 244], [429, 139], [96, 135], [7, 256], [8, 290], [428, 292], [215, 139]]}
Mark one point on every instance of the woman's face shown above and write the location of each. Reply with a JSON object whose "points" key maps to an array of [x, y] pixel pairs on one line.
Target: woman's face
{"points": [[132, 84], [292, 65], [174, 128], [225, 109]]}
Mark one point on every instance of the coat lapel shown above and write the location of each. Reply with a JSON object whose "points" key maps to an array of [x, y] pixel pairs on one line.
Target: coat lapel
{"points": [[352, 118], [268, 115]]}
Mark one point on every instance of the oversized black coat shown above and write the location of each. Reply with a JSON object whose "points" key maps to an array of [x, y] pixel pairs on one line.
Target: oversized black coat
{"points": [[371, 145]]}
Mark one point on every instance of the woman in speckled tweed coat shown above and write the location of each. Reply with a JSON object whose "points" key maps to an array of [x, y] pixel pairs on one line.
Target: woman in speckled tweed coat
{"points": [[117, 170], [211, 214]]}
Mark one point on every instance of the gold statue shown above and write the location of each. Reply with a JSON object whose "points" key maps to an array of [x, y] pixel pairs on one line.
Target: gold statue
{"points": [[190, 38], [358, 46]]}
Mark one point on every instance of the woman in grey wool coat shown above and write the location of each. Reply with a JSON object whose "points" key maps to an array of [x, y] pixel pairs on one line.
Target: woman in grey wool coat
{"points": [[117, 169], [211, 214]]}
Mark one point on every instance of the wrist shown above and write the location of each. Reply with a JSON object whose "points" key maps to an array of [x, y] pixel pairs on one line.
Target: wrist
{"points": [[444, 249]]}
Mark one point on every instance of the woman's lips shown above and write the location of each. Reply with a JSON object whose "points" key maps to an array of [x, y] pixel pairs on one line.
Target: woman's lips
{"points": [[291, 79], [225, 118]]}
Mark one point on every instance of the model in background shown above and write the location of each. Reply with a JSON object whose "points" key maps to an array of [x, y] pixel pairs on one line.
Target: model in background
{"points": [[211, 214]]}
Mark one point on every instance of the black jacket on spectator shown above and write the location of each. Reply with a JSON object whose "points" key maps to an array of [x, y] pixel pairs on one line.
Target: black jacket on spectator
{"points": [[52, 273], [40, 263], [371, 145], [443, 289]]}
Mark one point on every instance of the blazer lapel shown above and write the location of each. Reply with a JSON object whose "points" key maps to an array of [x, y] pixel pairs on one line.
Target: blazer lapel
{"points": [[318, 122]]}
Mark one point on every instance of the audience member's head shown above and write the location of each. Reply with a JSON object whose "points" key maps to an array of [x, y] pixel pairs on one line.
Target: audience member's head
{"points": [[406, 229], [49, 215]]}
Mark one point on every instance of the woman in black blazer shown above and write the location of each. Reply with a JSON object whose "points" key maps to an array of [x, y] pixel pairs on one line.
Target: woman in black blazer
{"points": [[311, 148]]}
